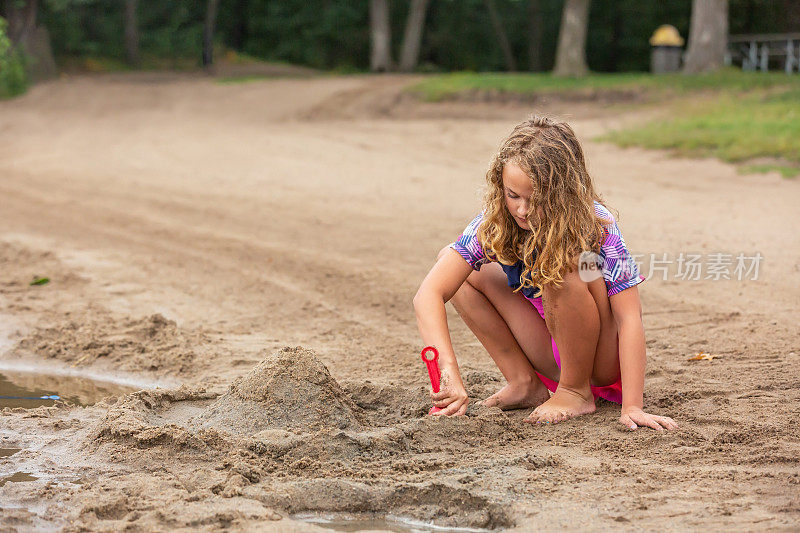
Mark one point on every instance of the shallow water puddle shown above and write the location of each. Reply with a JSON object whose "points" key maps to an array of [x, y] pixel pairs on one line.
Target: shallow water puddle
{"points": [[17, 477], [395, 524], [33, 389]]}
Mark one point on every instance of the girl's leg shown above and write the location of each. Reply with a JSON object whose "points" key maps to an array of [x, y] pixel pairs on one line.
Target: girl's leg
{"points": [[606, 359], [512, 332], [579, 318]]}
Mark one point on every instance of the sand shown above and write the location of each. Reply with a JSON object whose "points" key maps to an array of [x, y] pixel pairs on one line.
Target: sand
{"points": [[253, 249], [288, 389]]}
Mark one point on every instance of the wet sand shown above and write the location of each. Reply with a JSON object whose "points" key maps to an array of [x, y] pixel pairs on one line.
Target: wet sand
{"points": [[197, 233]]}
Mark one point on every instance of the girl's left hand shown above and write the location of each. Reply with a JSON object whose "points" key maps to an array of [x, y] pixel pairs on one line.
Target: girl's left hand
{"points": [[635, 417]]}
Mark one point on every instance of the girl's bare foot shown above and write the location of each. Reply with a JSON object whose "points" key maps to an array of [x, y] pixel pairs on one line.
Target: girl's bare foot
{"points": [[564, 404], [518, 396]]}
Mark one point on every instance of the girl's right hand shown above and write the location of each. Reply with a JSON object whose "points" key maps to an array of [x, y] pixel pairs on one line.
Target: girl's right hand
{"points": [[452, 397]]}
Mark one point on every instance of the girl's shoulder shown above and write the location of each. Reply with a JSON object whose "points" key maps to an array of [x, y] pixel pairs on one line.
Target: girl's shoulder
{"points": [[620, 269], [472, 227], [469, 246], [608, 228], [603, 212]]}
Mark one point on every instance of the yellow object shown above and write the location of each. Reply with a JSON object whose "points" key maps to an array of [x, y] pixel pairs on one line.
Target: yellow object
{"points": [[666, 35], [702, 356]]}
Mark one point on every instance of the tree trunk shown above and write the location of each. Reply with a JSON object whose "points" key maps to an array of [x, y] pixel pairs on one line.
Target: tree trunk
{"points": [[502, 38], [21, 19], [381, 57], [415, 25], [240, 29], [613, 45], [32, 40], [208, 33], [534, 35], [571, 53], [131, 33], [708, 36]]}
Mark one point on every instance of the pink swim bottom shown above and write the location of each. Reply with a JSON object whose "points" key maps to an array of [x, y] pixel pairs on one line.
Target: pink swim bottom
{"points": [[611, 392]]}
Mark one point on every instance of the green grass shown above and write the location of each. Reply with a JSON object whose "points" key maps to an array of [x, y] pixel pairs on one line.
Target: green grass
{"points": [[150, 62], [104, 64], [734, 127], [786, 171], [247, 78], [464, 84], [739, 117]]}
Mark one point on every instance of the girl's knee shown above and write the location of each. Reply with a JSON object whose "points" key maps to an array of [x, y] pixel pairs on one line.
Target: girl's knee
{"points": [[486, 279], [464, 297], [573, 281], [572, 288]]}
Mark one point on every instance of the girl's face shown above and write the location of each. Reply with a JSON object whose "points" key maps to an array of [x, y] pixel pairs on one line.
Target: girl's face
{"points": [[518, 190]]}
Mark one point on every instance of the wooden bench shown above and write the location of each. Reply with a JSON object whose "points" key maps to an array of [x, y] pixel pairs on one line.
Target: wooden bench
{"points": [[755, 51]]}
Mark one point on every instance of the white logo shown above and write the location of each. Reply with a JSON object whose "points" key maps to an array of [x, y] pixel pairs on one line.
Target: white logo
{"points": [[590, 266]]}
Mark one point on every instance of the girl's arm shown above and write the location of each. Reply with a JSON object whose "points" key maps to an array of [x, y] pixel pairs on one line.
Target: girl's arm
{"points": [[627, 310], [441, 283]]}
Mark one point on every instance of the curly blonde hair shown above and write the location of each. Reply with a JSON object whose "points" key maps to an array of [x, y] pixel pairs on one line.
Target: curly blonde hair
{"points": [[561, 218]]}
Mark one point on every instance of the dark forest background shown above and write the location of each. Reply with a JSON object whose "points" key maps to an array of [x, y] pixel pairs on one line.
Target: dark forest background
{"points": [[335, 34]]}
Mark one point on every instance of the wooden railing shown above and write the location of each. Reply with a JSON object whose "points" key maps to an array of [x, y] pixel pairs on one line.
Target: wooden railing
{"points": [[755, 52]]}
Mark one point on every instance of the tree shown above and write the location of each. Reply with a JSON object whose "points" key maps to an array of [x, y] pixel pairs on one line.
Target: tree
{"points": [[208, 33], [13, 80], [534, 35], [381, 56], [571, 52], [21, 17], [131, 33], [415, 24], [33, 40], [708, 36], [502, 38]]}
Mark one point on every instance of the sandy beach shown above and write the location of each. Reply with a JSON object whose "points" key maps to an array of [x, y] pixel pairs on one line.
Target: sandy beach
{"points": [[243, 257]]}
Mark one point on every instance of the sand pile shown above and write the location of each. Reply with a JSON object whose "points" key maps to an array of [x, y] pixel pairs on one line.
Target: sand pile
{"points": [[290, 389], [151, 343]]}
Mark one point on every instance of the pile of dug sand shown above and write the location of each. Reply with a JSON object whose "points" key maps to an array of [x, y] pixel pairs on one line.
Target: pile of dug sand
{"points": [[153, 343], [290, 389]]}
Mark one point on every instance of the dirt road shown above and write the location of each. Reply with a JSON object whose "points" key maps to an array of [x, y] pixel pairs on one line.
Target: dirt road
{"points": [[191, 229]]}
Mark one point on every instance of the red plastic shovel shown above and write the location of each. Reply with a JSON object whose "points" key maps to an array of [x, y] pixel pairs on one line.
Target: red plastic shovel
{"points": [[430, 356]]}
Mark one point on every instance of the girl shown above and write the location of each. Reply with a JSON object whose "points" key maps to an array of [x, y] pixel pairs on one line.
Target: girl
{"points": [[543, 278]]}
